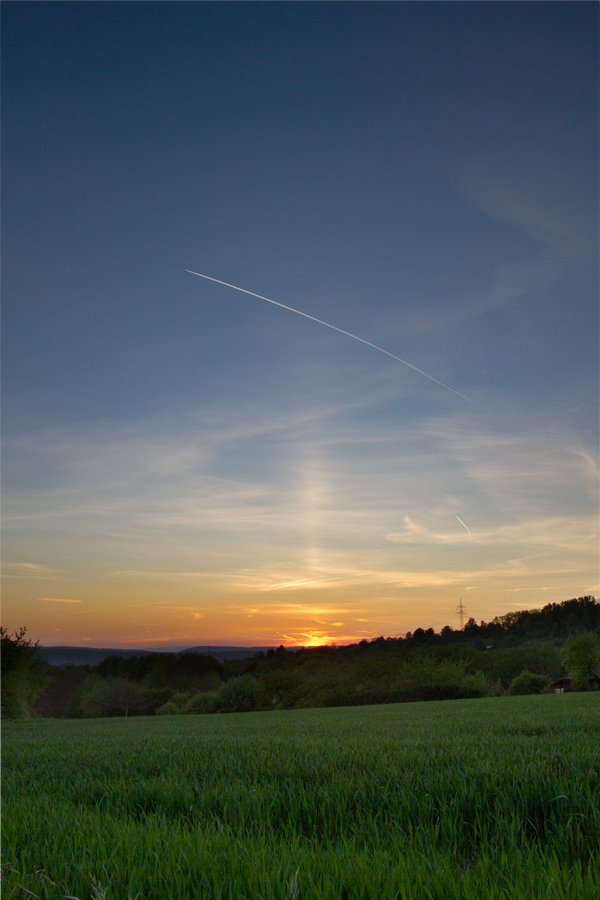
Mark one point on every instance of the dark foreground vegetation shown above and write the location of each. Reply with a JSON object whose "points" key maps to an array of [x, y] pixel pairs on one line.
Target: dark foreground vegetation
{"points": [[520, 653], [493, 799]]}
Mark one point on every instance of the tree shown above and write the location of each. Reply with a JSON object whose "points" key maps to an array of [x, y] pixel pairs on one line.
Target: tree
{"points": [[24, 673], [112, 697], [580, 657]]}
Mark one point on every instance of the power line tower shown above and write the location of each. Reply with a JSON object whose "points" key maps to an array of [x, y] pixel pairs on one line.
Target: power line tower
{"points": [[460, 612]]}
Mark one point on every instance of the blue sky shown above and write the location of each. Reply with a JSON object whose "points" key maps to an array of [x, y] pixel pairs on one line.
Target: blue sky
{"points": [[184, 463]]}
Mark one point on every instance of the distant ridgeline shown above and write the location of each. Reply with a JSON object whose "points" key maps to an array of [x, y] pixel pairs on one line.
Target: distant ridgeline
{"points": [[519, 652], [81, 656]]}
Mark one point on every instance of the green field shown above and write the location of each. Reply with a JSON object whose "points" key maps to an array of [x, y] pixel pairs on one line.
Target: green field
{"points": [[493, 798]]}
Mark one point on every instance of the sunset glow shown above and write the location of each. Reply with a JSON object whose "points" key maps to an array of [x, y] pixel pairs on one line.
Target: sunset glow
{"points": [[187, 464]]}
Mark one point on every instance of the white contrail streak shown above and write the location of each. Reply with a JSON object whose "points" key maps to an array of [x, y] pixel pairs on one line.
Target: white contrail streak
{"points": [[464, 526], [341, 331]]}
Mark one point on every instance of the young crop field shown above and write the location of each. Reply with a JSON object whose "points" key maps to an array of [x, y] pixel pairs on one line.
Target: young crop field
{"points": [[495, 798]]}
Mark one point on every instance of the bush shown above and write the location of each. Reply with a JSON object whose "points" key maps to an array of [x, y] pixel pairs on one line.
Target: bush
{"points": [[168, 709], [529, 683], [240, 694], [24, 674], [174, 706], [202, 702]]}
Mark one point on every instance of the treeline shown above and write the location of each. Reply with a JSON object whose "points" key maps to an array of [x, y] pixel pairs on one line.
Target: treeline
{"points": [[555, 621], [318, 677], [521, 652]]}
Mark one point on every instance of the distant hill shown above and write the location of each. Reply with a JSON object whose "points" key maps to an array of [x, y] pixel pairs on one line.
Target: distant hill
{"points": [[80, 656]]}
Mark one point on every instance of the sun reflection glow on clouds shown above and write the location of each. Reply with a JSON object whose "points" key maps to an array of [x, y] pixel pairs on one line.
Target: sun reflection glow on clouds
{"points": [[359, 528]]}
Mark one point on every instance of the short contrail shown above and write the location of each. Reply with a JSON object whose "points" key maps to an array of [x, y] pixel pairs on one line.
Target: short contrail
{"points": [[464, 526], [341, 331]]}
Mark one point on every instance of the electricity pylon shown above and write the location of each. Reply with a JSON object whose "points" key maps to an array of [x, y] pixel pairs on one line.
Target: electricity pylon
{"points": [[460, 612]]}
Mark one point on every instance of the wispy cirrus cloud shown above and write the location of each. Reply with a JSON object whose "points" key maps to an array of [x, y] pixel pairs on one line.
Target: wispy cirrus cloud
{"points": [[532, 195], [58, 600], [567, 533], [28, 570], [526, 187], [343, 578]]}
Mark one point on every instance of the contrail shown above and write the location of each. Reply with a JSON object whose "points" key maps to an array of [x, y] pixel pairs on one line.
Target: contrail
{"points": [[463, 524], [341, 331]]}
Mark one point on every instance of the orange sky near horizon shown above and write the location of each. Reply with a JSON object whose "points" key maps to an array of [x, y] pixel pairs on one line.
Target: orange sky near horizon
{"points": [[144, 546], [60, 611]]}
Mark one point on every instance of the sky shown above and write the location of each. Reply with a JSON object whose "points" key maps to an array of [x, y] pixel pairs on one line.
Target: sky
{"points": [[185, 464]]}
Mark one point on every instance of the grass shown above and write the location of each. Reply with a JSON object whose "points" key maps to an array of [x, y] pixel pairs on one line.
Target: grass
{"points": [[464, 799]]}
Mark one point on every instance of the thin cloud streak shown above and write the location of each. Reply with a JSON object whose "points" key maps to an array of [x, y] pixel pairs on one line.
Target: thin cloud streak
{"points": [[58, 600], [28, 570], [364, 578]]}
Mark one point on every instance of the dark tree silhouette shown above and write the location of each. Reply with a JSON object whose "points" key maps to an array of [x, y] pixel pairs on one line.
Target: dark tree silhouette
{"points": [[24, 673]]}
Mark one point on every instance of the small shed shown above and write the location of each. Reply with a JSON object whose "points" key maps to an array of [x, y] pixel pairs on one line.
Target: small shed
{"points": [[563, 685]]}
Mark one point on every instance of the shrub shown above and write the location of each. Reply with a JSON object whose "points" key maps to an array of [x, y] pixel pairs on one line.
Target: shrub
{"points": [[202, 702], [240, 694], [529, 683], [168, 709], [174, 706]]}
